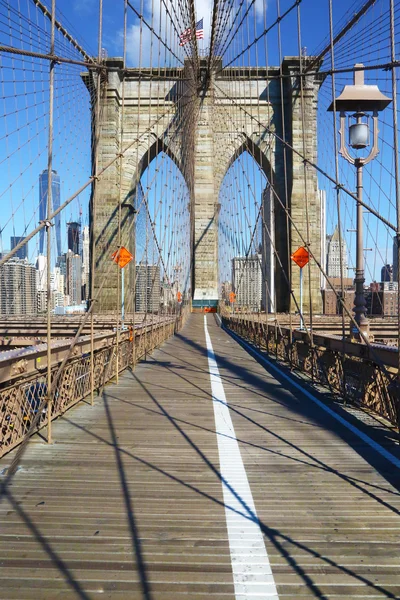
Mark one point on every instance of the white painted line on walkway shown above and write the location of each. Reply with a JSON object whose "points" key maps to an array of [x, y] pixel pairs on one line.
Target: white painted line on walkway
{"points": [[363, 436], [252, 574]]}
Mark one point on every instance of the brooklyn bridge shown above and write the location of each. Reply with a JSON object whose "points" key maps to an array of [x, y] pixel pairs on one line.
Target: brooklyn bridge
{"points": [[199, 299]]}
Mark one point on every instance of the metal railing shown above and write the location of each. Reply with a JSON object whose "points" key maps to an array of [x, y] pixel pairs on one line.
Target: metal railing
{"points": [[365, 376], [23, 378]]}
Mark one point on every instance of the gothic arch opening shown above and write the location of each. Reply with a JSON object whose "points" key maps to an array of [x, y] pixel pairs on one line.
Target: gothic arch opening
{"points": [[246, 236], [256, 152], [161, 235], [145, 157]]}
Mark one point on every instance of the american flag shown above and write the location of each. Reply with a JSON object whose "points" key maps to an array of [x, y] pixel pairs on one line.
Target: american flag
{"points": [[186, 35]]}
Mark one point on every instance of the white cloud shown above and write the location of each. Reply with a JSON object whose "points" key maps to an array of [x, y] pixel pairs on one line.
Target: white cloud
{"points": [[83, 7], [152, 51], [260, 9]]}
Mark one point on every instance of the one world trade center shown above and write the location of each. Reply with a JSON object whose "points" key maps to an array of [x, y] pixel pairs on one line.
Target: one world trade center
{"points": [[55, 197]]}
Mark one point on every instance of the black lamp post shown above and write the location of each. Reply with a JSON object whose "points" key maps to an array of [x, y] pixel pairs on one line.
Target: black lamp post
{"points": [[364, 102]]}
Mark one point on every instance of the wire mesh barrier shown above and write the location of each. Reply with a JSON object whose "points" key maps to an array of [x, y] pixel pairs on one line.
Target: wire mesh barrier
{"points": [[354, 373], [23, 391]]}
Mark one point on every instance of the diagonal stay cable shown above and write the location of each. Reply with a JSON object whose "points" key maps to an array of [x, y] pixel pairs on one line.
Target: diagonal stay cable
{"points": [[43, 224], [310, 162], [64, 31], [323, 271], [137, 13], [263, 34]]}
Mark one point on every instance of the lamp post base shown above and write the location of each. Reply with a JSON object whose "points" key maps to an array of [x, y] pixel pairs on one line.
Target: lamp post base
{"points": [[355, 335]]}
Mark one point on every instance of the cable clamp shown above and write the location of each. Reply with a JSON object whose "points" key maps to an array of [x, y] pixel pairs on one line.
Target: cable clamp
{"points": [[46, 223], [391, 66], [54, 59]]}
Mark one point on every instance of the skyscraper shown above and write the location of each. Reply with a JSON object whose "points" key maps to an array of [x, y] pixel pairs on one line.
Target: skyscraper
{"points": [[55, 197], [17, 288], [74, 277], [387, 273], [333, 255], [74, 232], [85, 262], [62, 265], [322, 198], [41, 273], [147, 288], [22, 252], [247, 281]]}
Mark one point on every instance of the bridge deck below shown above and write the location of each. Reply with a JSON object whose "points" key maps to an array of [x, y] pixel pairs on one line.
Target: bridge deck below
{"points": [[132, 499]]}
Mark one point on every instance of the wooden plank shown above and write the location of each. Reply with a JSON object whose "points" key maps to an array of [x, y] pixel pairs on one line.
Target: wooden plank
{"points": [[128, 503]]}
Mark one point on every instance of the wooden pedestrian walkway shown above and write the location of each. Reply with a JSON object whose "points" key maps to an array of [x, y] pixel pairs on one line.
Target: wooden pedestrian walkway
{"points": [[162, 492]]}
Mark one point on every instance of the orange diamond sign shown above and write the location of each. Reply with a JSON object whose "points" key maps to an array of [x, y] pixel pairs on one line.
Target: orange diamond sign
{"points": [[232, 297], [301, 257], [122, 257], [179, 296]]}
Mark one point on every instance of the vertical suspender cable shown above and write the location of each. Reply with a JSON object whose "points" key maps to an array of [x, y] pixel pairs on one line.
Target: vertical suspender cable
{"points": [[96, 134], [193, 37], [49, 211], [211, 59], [120, 299], [148, 216], [396, 174], [287, 263], [336, 149], [305, 166], [137, 183], [271, 203]]}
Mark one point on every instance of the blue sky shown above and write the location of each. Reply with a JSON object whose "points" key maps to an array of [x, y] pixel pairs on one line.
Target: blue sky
{"points": [[25, 93], [83, 16]]}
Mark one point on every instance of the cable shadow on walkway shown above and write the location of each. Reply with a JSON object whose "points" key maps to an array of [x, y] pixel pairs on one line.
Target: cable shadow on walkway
{"points": [[304, 408], [351, 480], [169, 365], [320, 464], [226, 380], [270, 533], [276, 537], [56, 560], [133, 527]]}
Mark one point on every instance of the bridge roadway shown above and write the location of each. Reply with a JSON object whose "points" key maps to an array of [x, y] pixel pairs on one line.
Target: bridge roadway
{"points": [[141, 498]]}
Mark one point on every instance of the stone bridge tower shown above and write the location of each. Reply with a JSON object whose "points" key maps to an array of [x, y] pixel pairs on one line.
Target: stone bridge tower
{"points": [[236, 110]]}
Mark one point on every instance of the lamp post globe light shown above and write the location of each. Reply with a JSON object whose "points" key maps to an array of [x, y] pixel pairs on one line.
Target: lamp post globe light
{"points": [[363, 102]]}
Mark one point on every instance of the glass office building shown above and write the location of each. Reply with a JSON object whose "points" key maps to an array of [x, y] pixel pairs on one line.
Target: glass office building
{"points": [[55, 197]]}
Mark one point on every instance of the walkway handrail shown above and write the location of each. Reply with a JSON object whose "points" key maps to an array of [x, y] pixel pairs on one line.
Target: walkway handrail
{"points": [[347, 368], [23, 376]]}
